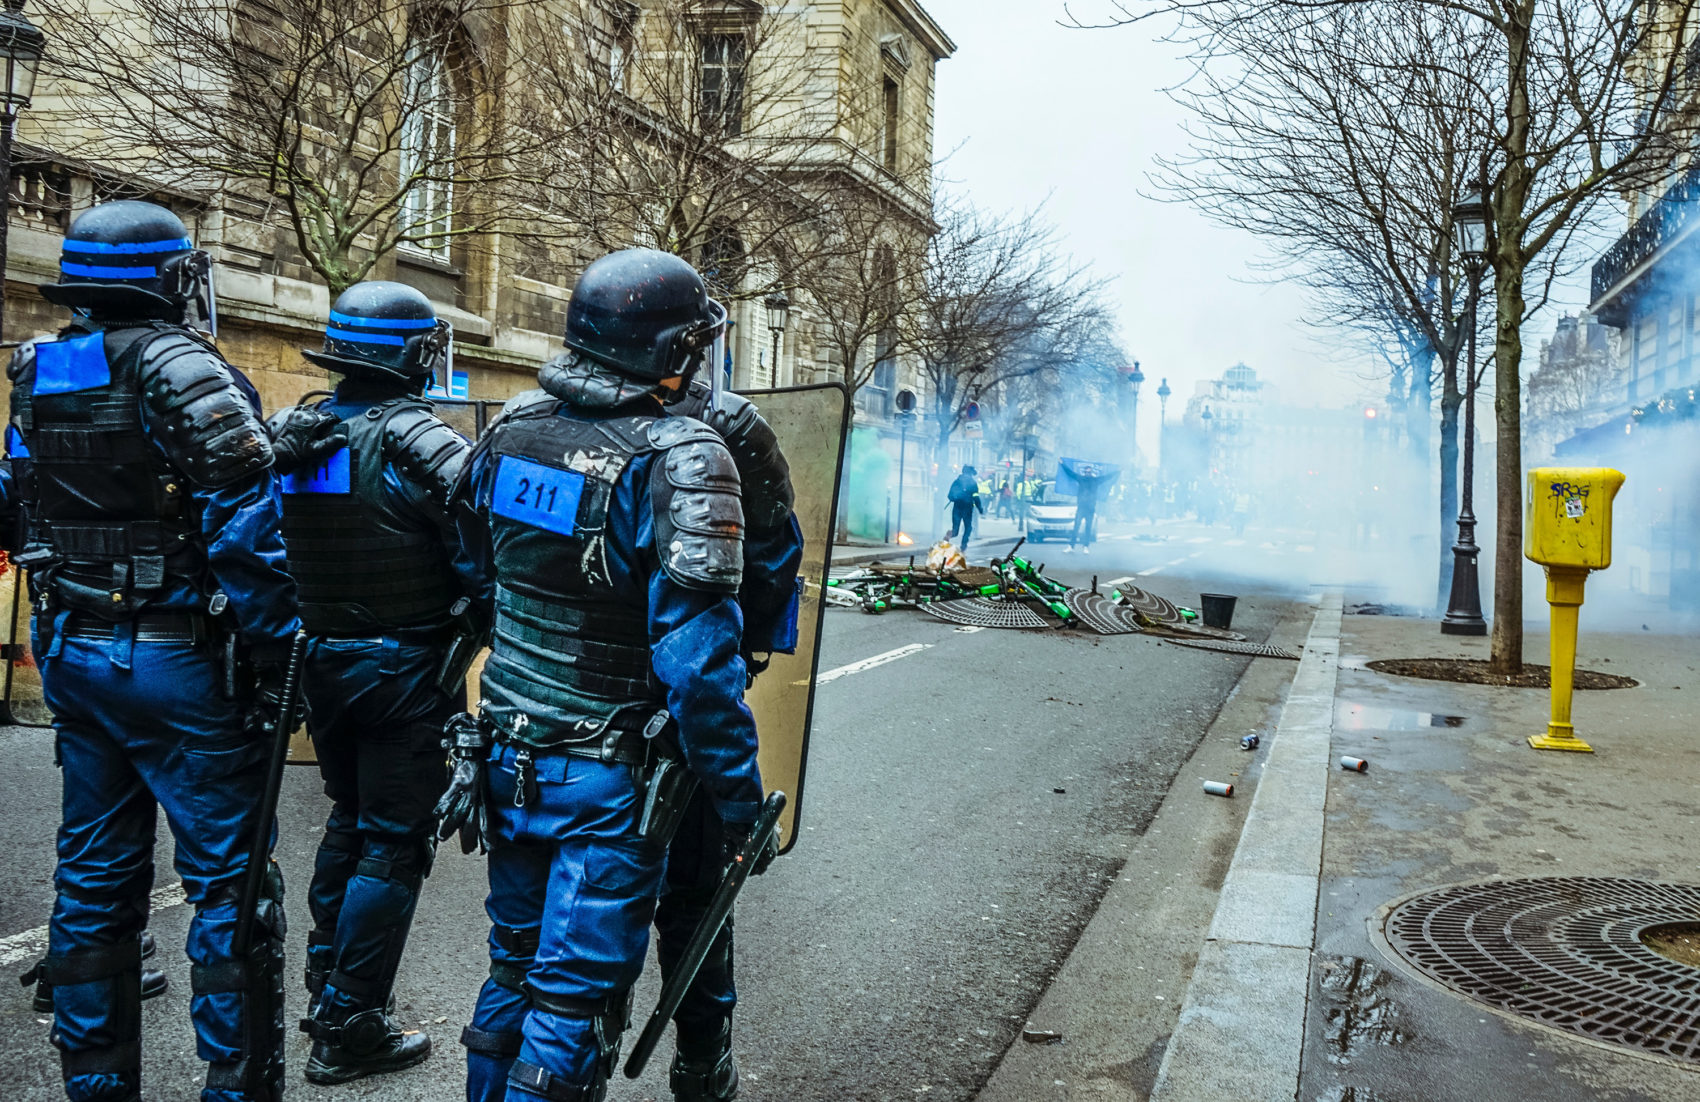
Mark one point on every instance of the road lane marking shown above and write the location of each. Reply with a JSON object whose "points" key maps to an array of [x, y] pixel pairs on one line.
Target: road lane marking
{"points": [[1200, 539], [866, 664], [968, 630], [32, 944], [1153, 570], [1233, 543], [1113, 582]]}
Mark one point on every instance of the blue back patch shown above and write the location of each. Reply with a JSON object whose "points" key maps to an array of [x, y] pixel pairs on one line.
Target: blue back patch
{"points": [[543, 497], [66, 366], [333, 475], [15, 446]]}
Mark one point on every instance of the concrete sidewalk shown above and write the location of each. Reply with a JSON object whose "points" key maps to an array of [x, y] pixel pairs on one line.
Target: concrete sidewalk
{"points": [[1282, 985]]}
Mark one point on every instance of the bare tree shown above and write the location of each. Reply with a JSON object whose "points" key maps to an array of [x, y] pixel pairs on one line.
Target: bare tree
{"points": [[698, 131], [1575, 98], [366, 124], [996, 301], [856, 272]]}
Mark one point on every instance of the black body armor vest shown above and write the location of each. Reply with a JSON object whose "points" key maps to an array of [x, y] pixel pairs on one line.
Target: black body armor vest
{"points": [[361, 568], [109, 519], [570, 654]]}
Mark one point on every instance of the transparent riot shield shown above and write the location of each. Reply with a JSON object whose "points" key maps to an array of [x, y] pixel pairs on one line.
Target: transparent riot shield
{"points": [[812, 423], [21, 702]]}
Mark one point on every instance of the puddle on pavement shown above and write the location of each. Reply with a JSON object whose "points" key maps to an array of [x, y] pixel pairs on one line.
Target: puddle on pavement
{"points": [[1357, 1010], [1363, 717]]}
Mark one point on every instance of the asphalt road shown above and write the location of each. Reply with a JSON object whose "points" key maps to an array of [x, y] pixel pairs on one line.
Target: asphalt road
{"points": [[966, 805]]}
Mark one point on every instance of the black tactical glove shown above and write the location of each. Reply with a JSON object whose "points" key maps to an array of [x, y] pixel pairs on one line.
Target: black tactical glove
{"points": [[302, 436], [737, 835], [462, 806], [266, 705]]}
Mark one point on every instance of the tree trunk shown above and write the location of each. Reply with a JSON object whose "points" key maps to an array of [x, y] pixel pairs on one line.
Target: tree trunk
{"points": [[1451, 400], [1507, 652]]}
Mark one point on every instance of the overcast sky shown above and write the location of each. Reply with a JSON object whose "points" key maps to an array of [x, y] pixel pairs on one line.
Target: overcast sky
{"points": [[1029, 109]]}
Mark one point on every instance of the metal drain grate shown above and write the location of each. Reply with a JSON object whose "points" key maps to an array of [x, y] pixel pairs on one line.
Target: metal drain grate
{"points": [[981, 613], [1099, 613], [1150, 607], [1563, 951], [1233, 646]]}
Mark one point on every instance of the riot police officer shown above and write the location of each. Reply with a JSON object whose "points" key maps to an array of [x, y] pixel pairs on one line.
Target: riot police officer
{"points": [[163, 616], [613, 535], [704, 1069], [373, 550]]}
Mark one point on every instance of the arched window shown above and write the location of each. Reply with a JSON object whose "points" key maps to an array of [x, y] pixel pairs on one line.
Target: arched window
{"points": [[428, 146]]}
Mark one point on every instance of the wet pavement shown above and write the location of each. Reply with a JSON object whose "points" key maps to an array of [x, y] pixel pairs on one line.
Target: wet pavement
{"points": [[1453, 793]]}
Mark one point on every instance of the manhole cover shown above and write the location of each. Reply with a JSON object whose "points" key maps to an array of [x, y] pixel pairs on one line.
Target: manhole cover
{"points": [[1564, 951], [1149, 607], [1234, 646]]}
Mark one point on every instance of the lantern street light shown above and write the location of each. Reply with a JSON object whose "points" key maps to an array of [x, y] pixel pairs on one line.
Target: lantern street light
{"points": [[1464, 606], [21, 47], [1135, 377], [778, 316], [1163, 393]]}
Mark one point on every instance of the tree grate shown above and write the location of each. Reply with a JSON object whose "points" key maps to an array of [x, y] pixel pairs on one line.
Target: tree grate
{"points": [[1565, 952], [1233, 646], [982, 613], [1099, 613]]}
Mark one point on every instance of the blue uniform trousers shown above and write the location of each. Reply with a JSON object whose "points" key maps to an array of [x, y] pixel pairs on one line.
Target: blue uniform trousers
{"points": [[695, 863], [377, 727], [572, 895], [141, 727]]}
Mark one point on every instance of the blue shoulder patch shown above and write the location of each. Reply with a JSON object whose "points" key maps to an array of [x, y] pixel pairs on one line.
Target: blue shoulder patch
{"points": [[333, 475], [15, 446], [65, 366], [534, 494]]}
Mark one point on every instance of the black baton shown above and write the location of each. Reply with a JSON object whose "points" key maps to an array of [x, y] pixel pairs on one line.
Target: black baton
{"points": [[259, 851], [673, 993]]}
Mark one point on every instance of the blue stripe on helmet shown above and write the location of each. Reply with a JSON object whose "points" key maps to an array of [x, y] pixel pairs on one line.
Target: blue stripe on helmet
{"points": [[91, 271], [384, 323], [362, 338], [175, 245]]}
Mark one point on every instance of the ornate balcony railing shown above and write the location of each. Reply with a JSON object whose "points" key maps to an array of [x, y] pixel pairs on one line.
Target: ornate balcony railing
{"points": [[1668, 218]]}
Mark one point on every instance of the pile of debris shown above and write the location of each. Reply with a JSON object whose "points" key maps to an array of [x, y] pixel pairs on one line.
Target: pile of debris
{"points": [[1012, 592]]}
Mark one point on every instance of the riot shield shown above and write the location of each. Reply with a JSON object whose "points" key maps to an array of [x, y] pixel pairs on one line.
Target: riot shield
{"points": [[21, 702], [812, 423]]}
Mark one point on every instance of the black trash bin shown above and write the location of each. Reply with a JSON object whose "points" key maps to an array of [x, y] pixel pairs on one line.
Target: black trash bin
{"points": [[1217, 609]]}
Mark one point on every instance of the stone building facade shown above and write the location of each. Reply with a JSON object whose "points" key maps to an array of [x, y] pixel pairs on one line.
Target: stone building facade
{"points": [[506, 298]]}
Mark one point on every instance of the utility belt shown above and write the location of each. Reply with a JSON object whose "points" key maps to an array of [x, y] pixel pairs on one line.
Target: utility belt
{"points": [[651, 751], [413, 637], [193, 628]]}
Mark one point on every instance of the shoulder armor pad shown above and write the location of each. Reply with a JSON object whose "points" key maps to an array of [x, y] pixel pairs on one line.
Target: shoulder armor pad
{"points": [[699, 518], [210, 429], [427, 451], [23, 358], [766, 476], [527, 403]]}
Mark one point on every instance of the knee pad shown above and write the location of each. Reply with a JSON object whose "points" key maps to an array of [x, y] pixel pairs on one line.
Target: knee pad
{"points": [[114, 972], [609, 1016], [258, 979]]}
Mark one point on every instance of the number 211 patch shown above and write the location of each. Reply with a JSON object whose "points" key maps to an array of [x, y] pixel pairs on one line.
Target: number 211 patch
{"points": [[534, 494]]}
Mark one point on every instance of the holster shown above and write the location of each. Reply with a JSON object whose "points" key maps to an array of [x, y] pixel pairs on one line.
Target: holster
{"points": [[462, 649], [668, 784]]}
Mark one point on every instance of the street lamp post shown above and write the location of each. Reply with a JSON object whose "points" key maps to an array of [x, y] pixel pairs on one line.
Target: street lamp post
{"points": [[1163, 393], [21, 47], [905, 414], [1464, 608], [778, 315], [1135, 377]]}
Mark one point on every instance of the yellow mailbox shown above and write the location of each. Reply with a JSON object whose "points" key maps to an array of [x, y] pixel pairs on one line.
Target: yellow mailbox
{"points": [[1567, 529]]}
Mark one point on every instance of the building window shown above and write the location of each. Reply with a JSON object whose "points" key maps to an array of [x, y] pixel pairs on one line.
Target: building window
{"points": [[428, 150], [888, 128], [722, 83], [624, 43]]}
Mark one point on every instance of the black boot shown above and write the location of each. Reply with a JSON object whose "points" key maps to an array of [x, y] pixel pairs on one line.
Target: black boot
{"points": [[711, 1076], [154, 982], [366, 1043]]}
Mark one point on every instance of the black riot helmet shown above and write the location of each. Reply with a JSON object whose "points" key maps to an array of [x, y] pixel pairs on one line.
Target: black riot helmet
{"points": [[130, 259], [385, 330], [644, 313]]}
